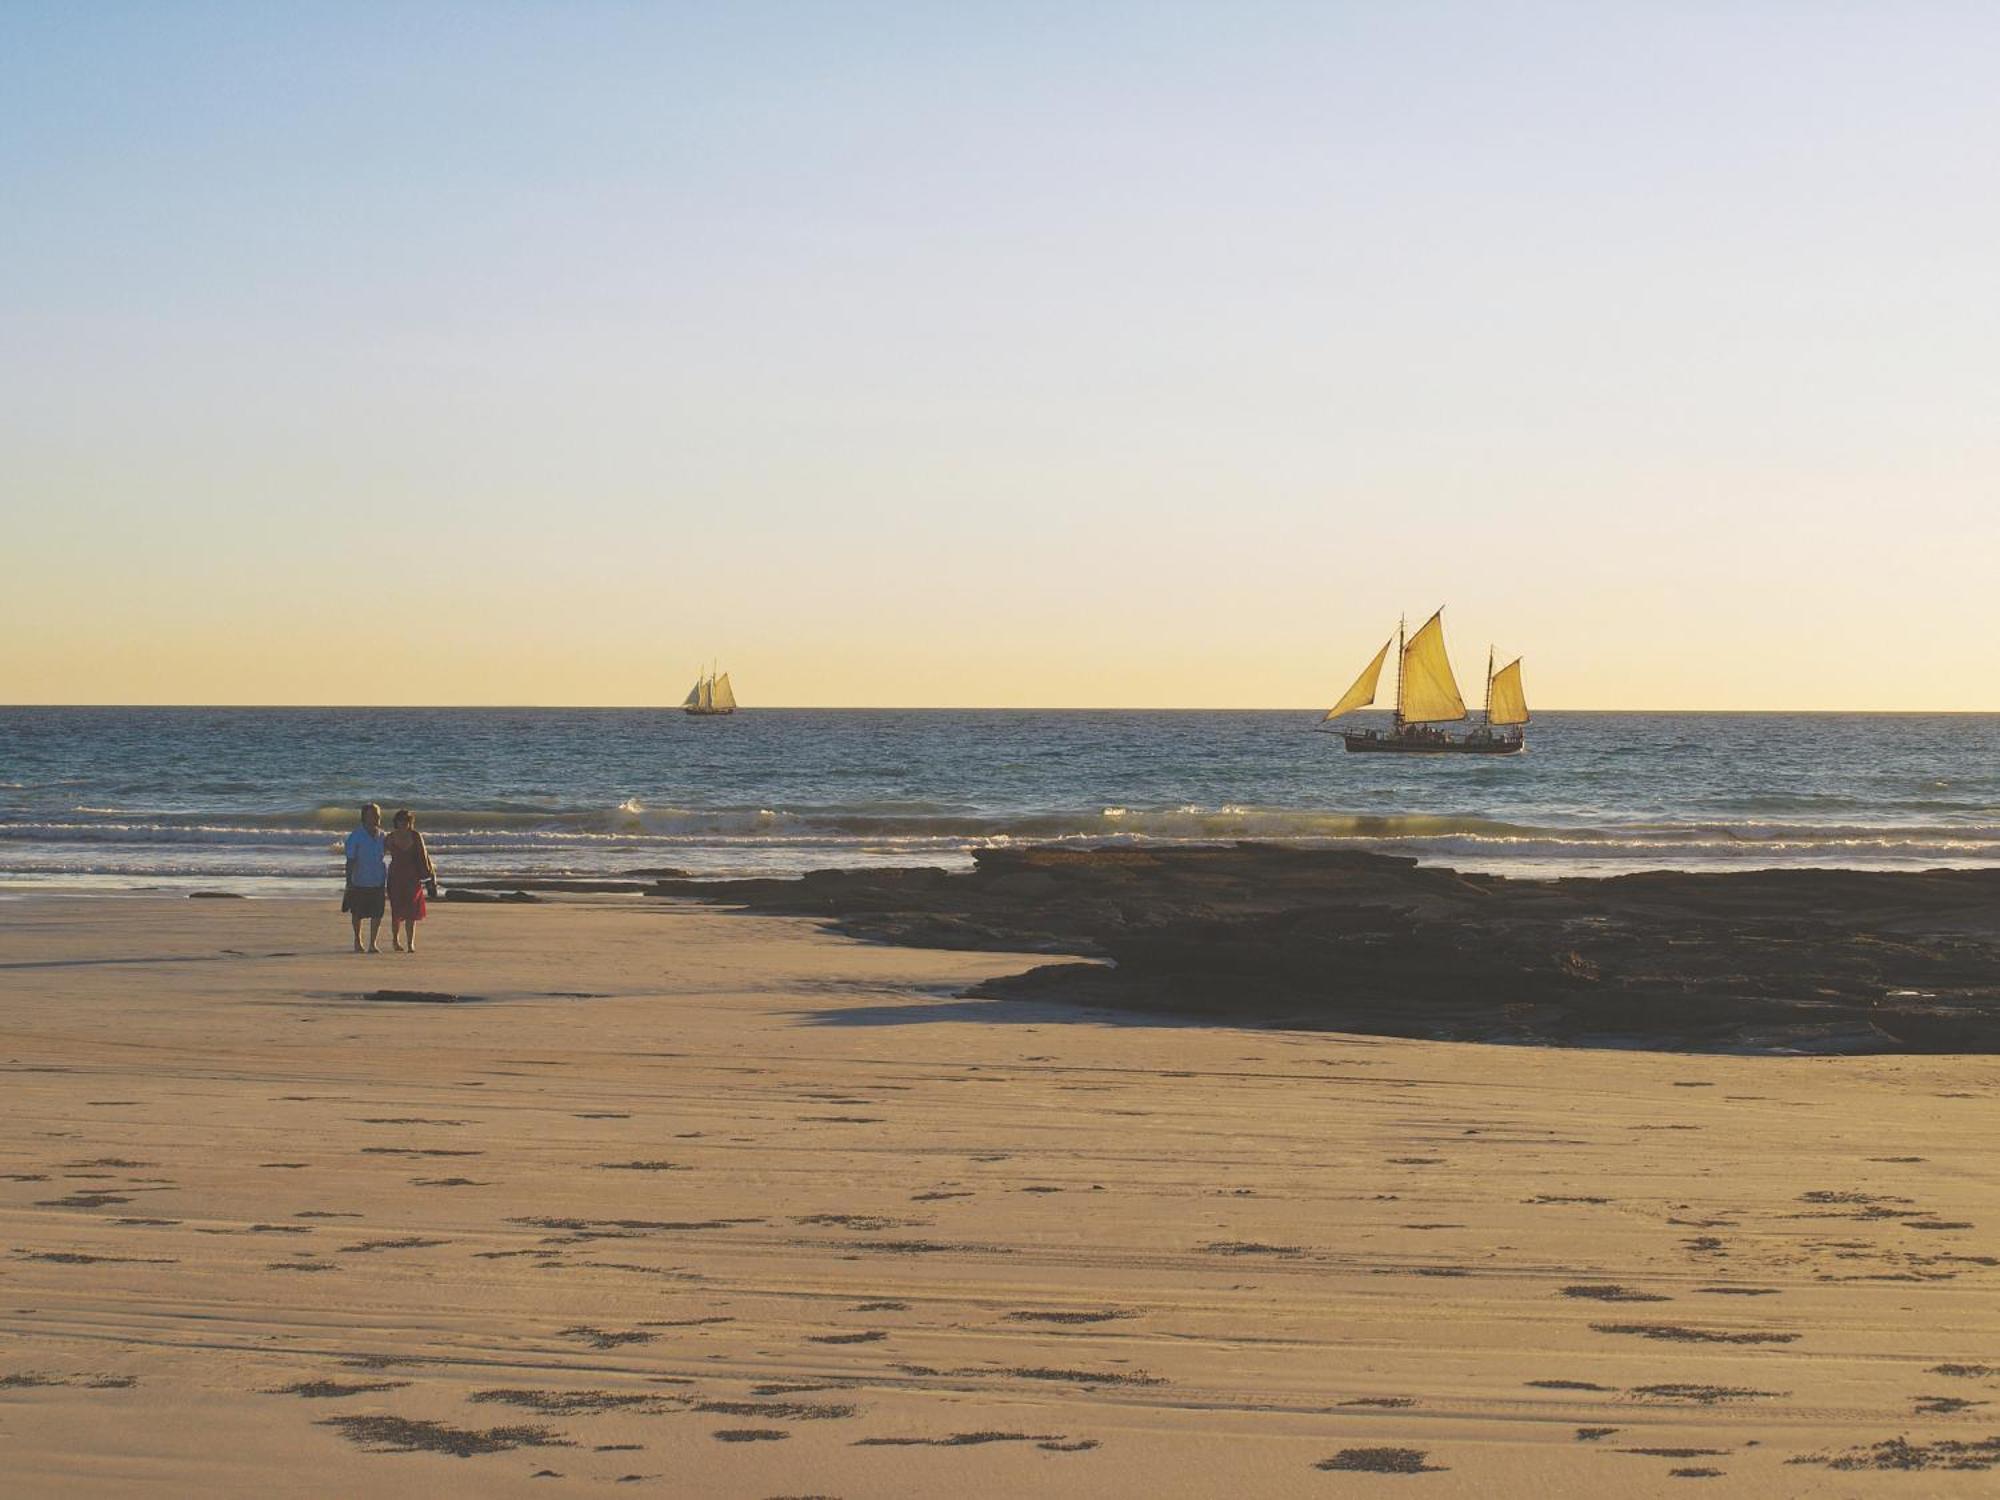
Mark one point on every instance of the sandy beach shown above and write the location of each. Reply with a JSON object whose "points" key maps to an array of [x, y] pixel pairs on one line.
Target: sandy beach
{"points": [[724, 1205]]}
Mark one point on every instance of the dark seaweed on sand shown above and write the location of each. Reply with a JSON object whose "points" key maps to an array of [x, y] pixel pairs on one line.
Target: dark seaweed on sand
{"points": [[1075, 1377], [1943, 1406], [963, 1440], [850, 1221], [1568, 1385], [402, 1435], [320, 1390], [1065, 1317], [604, 1338], [1381, 1461], [78, 1258], [1705, 1395], [1901, 1453], [566, 1403], [1678, 1452], [31, 1379], [780, 1411], [1676, 1334], [640, 1166]]}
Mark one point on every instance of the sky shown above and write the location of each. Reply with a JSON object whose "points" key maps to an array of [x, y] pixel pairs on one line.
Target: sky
{"points": [[1037, 354]]}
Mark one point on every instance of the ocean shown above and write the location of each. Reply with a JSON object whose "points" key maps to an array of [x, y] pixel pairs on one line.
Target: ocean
{"points": [[256, 800]]}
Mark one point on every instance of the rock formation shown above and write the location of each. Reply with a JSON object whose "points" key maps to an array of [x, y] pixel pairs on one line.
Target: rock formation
{"points": [[1779, 960]]}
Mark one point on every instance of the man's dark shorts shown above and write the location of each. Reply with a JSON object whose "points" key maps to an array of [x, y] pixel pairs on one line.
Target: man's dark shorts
{"points": [[366, 901]]}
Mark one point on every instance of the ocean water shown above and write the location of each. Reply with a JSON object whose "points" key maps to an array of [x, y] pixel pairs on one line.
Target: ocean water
{"points": [[111, 799]]}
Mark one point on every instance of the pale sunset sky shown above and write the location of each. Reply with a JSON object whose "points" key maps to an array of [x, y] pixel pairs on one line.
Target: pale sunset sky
{"points": [[1058, 354]]}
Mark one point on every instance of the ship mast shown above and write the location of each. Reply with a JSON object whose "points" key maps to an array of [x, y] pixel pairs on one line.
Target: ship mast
{"points": [[1401, 622], [1486, 713]]}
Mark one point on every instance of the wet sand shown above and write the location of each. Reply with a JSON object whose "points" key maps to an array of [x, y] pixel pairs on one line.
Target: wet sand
{"points": [[729, 1206]]}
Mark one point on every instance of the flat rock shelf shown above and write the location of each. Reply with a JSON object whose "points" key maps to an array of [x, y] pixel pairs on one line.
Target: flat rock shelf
{"points": [[1777, 960]]}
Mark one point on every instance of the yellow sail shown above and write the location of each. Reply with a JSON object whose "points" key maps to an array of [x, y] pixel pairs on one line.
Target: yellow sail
{"points": [[1506, 703], [1363, 692], [724, 696], [1430, 693]]}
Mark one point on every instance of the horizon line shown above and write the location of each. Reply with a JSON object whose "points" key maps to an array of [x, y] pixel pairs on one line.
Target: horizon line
{"points": [[955, 708]]}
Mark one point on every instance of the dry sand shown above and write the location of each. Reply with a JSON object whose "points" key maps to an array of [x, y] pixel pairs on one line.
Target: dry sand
{"points": [[726, 1206]]}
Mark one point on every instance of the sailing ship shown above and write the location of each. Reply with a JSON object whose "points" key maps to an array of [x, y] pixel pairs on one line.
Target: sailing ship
{"points": [[1427, 695], [710, 695]]}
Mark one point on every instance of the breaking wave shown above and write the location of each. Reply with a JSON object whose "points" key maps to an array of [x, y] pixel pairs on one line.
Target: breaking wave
{"points": [[745, 839], [632, 820]]}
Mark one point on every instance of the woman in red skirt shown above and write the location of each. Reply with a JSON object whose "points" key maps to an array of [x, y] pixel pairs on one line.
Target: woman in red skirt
{"points": [[410, 870]]}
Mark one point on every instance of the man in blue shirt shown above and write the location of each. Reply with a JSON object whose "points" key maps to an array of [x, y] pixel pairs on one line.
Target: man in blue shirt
{"points": [[367, 876]]}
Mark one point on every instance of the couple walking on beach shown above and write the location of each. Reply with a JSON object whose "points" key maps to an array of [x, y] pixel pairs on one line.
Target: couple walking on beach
{"points": [[392, 867]]}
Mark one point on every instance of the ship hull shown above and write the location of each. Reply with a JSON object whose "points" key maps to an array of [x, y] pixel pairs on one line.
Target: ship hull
{"points": [[708, 713], [1366, 741]]}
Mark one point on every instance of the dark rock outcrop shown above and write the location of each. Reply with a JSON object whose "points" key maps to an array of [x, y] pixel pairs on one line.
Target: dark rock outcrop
{"points": [[1812, 960]]}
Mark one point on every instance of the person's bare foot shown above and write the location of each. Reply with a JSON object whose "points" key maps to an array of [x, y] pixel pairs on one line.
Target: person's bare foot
{"points": [[357, 947], [396, 945], [373, 949]]}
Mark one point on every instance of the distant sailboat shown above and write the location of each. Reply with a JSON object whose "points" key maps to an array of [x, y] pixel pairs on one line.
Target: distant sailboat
{"points": [[710, 695], [1427, 695]]}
